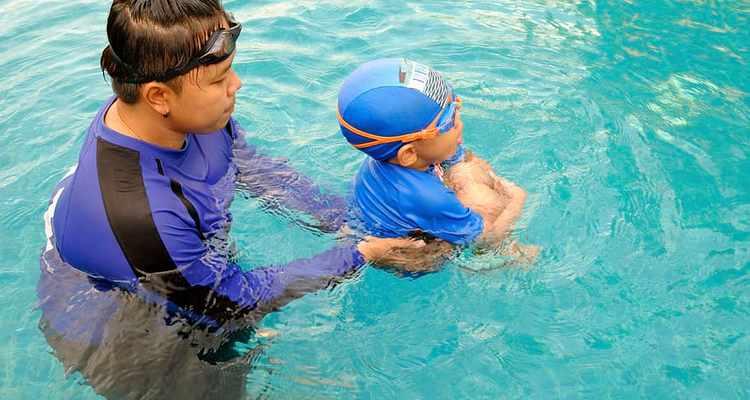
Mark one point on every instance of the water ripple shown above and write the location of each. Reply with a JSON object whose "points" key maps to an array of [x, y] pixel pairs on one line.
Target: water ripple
{"points": [[627, 123]]}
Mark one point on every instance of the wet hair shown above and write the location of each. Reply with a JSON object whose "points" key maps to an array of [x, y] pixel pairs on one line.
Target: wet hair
{"points": [[153, 36]]}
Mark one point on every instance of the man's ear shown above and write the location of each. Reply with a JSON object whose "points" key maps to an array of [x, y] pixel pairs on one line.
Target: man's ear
{"points": [[407, 155], [157, 95]]}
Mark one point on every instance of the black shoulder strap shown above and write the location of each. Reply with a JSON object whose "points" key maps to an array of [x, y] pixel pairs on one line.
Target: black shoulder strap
{"points": [[127, 208], [130, 218]]}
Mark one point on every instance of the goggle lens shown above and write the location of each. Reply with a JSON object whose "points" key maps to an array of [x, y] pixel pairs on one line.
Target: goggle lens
{"points": [[448, 120], [222, 45]]}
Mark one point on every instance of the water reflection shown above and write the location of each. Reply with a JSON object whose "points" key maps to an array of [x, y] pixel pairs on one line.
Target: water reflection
{"points": [[128, 348]]}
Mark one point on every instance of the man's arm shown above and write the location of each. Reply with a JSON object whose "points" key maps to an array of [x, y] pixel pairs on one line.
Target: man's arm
{"points": [[279, 186], [262, 290], [204, 282], [208, 284]]}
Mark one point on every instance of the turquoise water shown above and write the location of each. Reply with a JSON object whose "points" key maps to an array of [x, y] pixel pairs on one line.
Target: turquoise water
{"points": [[628, 124]]}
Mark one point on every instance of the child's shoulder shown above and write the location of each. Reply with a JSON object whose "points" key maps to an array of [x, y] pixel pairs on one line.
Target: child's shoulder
{"points": [[405, 180], [416, 190], [395, 201]]}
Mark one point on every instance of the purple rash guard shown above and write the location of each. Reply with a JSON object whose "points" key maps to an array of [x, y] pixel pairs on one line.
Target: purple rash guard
{"points": [[155, 220]]}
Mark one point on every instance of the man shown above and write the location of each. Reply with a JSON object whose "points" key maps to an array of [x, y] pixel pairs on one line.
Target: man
{"points": [[144, 218]]}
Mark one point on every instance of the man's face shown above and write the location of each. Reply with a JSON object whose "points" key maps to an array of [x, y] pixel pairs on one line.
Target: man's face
{"points": [[205, 104]]}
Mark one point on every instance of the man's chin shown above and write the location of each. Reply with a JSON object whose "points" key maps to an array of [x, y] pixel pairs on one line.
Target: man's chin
{"points": [[221, 124], [225, 120]]}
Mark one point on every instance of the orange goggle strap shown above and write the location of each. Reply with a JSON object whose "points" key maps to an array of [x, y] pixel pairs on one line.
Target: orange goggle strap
{"points": [[427, 133]]}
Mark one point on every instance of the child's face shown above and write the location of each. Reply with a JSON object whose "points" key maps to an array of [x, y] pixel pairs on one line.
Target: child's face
{"points": [[442, 147]]}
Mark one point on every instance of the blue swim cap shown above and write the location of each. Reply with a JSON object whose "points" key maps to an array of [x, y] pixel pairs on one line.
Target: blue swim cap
{"points": [[390, 97]]}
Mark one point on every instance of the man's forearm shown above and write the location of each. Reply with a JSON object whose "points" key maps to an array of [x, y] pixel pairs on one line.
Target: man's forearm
{"points": [[222, 291], [285, 283]]}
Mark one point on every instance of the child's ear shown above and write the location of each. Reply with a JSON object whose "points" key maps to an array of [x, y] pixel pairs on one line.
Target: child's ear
{"points": [[407, 155]]}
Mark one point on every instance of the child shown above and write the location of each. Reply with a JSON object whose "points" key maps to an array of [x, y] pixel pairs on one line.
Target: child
{"points": [[406, 117]]}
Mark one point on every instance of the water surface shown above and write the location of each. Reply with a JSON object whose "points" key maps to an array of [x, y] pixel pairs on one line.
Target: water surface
{"points": [[628, 124]]}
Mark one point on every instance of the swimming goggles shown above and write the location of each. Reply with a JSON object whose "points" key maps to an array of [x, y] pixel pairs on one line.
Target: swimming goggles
{"points": [[218, 48], [446, 119]]}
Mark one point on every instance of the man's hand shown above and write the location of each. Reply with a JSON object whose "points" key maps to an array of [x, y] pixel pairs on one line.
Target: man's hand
{"points": [[405, 254]]}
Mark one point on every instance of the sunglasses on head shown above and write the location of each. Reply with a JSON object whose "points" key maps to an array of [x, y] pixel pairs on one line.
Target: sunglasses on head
{"points": [[218, 48]]}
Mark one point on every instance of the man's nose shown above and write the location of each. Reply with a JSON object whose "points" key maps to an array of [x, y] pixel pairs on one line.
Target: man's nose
{"points": [[237, 84]]}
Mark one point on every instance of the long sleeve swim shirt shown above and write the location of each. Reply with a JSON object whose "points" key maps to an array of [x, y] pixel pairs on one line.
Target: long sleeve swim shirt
{"points": [[135, 213], [394, 201]]}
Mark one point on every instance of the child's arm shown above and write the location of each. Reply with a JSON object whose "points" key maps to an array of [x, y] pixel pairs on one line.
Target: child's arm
{"points": [[494, 233], [497, 200]]}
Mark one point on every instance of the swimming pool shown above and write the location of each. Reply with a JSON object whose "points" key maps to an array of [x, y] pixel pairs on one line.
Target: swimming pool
{"points": [[628, 124]]}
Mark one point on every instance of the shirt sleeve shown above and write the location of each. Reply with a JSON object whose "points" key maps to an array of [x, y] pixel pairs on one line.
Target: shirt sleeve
{"points": [[207, 282], [436, 210], [279, 185]]}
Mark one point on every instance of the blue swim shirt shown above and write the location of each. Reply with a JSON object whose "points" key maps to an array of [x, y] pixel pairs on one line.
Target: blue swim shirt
{"points": [[394, 201]]}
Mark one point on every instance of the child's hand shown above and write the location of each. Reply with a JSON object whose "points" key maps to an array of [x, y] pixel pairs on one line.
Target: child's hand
{"points": [[507, 187], [512, 190], [482, 164], [477, 187], [483, 200]]}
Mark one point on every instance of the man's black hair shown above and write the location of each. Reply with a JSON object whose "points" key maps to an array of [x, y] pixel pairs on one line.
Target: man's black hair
{"points": [[153, 36]]}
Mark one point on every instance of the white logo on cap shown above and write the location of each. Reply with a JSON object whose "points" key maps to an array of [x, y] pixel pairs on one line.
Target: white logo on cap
{"points": [[422, 78], [414, 75]]}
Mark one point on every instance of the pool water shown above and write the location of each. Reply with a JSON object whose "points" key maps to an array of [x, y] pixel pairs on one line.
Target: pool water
{"points": [[628, 123]]}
